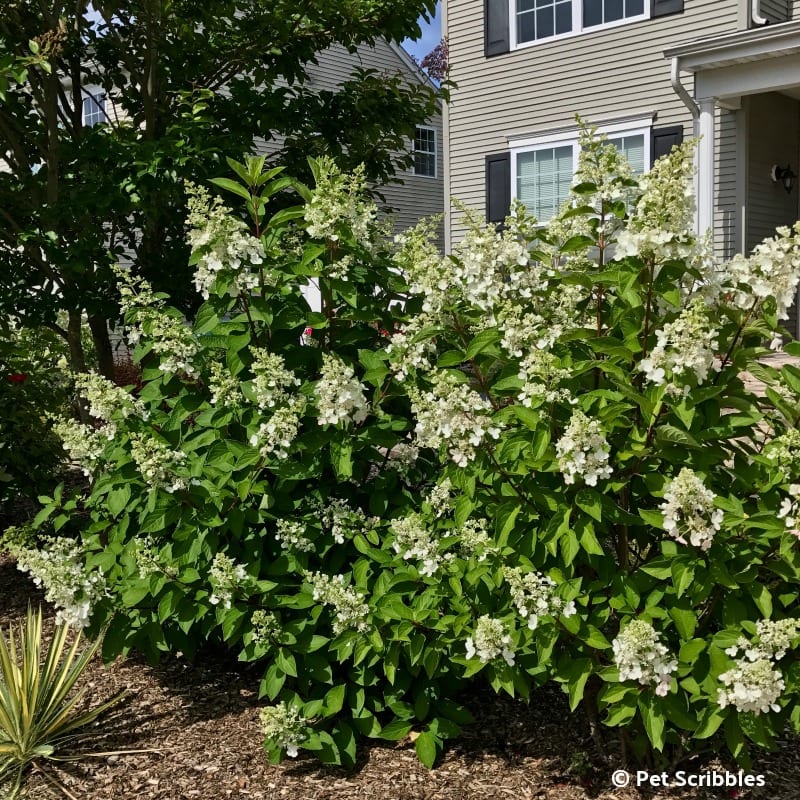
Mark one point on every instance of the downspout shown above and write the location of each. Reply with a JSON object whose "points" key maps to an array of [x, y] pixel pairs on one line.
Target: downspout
{"points": [[680, 89], [755, 13]]}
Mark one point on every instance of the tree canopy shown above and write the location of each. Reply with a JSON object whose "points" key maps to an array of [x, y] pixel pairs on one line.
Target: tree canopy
{"points": [[186, 83]]}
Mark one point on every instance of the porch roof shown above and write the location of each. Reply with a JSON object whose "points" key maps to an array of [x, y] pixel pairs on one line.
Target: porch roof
{"points": [[740, 47]]}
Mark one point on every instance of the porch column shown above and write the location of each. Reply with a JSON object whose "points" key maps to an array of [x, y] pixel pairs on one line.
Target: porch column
{"points": [[705, 167]]}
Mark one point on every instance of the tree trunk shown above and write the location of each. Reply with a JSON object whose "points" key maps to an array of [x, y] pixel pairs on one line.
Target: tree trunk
{"points": [[102, 346], [77, 359]]}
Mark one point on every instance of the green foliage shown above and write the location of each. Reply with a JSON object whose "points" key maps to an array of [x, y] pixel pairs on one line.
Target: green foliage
{"points": [[183, 82], [31, 387], [38, 716], [597, 499]]}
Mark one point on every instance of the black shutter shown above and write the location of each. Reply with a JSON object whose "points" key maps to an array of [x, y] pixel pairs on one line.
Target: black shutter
{"points": [[498, 187], [495, 27], [663, 7], [662, 140]]}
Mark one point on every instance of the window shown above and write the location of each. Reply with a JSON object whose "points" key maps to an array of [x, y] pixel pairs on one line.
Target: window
{"points": [[543, 179], [543, 169], [94, 109], [425, 152], [534, 20]]}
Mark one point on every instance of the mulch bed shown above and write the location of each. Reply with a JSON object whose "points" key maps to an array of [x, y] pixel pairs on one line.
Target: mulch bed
{"points": [[199, 723]]}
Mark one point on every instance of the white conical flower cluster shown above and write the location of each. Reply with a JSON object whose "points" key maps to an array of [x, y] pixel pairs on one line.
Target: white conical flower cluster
{"points": [[689, 511], [641, 656], [583, 451]]}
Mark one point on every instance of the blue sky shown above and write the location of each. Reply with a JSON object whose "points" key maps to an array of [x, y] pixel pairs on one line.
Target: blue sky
{"points": [[431, 34]]}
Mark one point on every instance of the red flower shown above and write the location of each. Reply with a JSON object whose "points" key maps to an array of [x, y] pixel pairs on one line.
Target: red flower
{"points": [[18, 377], [308, 331]]}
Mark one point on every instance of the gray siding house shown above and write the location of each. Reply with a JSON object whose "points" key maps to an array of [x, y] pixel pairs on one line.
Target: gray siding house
{"points": [[422, 191], [646, 72]]}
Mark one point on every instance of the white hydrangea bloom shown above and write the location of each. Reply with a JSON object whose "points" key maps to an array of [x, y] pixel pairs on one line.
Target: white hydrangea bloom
{"points": [[660, 225], [292, 536], [284, 727], [406, 354], [340, 396], [583, 451], [106, 399], [542, 377], [535, 596], [273, 381], [641, 656], [452, 414], [342, 520], [775, 637], [753, 686], [339, 202], [490, 640], [145, 552], [60, 569], [275, 436], [266, 627], [413, 540], [784, 450], [402, 458], [85, 445], [773, 270], [428, 275], [224, 387], [225, 577], [169, 337], [790, 510], [688, 510], [474, 539], [221, 246], [439, 498], [157, 463], [686, 346], [351, 612]]}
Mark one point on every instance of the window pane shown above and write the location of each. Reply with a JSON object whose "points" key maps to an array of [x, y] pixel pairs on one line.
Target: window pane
{"points": [[633, 8], [632, 147], [544, 22], [615, 9], [525, 5], [564, 17], [526, 27], [94, 109], [543, 180], [592, 12]]}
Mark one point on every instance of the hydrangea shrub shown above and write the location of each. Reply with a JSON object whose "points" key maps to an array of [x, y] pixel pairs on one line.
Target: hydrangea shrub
{"points": [[532, 460]]}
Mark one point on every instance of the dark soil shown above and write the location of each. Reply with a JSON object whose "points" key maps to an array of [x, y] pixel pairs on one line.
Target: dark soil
{"points": [[198, 727]]}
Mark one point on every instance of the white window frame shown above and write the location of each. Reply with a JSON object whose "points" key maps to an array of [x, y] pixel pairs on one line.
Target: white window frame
{"points": [[92, 93], [639, 126], [434, 153], [577, 24]]}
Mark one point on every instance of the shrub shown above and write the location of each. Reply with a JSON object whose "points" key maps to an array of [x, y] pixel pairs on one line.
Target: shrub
{"points": [[540, 465], [31, 387]]}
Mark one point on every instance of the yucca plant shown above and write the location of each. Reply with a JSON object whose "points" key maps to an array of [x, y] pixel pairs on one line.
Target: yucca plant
{"points": [[38, 716]]}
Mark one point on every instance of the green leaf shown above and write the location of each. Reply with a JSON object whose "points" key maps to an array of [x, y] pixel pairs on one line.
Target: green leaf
{"points": [[397, 729], [427, 749], [118, 499], [685, 621], [484, 341], [710, 722], [231, 186], [653, 719]]}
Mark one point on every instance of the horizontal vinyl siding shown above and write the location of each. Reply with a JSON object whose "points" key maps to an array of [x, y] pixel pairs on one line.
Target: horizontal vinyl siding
{"points": [[601, 75]]}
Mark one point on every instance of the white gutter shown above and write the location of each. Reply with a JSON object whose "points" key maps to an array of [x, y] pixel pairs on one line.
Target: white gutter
{"points": [[755, 13], [680, 89]]}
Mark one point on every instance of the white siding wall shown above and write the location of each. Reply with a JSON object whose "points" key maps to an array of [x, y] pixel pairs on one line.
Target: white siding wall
{"points": [[600, 75]]}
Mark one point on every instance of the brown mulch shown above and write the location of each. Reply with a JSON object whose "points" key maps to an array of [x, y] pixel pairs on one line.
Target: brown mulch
{"points": [[199, 723]]}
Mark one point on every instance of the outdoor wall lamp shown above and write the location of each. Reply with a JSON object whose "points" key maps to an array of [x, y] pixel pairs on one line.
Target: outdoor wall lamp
{"points": [[784, 175]]}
